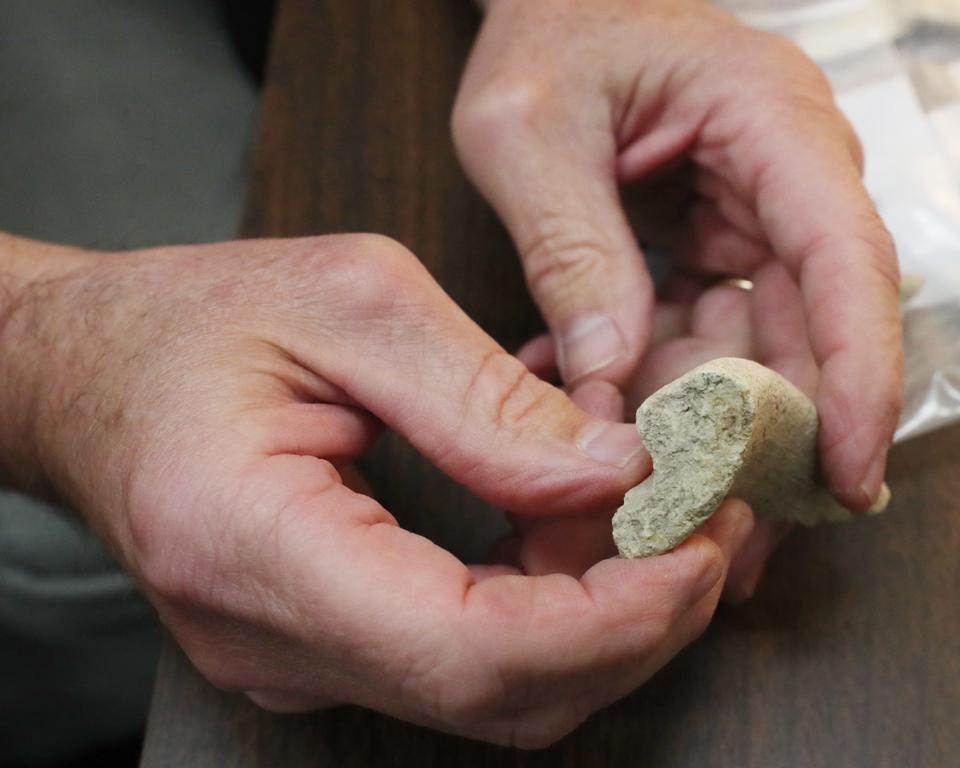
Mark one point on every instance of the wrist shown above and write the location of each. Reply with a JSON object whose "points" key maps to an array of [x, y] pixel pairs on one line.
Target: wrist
{"points": [[31, 274], [24, 261]]}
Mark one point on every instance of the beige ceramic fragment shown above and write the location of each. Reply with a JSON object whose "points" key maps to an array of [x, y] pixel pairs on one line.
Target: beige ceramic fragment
{"points": [[728, 428]]}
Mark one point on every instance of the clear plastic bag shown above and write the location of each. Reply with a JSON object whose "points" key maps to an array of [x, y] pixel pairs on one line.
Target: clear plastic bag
{"points": [[895, 69]]}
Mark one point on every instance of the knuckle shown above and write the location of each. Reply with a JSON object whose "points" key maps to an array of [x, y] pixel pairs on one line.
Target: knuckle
{"points": [[866, 237], [219, 674], [381, 250], [790, 82], [497, 112], [465, 700], [381, 272], [872, 239], [507, 390], [786, 55], [369, 275], [354, 256], [559, 260]]}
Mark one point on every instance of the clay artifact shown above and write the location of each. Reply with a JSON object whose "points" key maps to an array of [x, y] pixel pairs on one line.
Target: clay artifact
{"points": [[731, 427]]}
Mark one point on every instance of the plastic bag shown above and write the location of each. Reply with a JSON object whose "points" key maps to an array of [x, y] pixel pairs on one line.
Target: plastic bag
{"points": [[895, 69]]}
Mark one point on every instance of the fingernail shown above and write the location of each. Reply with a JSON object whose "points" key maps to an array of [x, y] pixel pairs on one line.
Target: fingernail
{"points": [[730, 527], [708, 580], [873, 479], [749, 565], [883, 498], [744, 589], [590, 343], [742, 528], [610, 443]]}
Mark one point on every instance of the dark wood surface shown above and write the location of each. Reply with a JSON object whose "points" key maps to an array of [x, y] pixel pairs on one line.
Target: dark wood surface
{"points": [[849, 655]]}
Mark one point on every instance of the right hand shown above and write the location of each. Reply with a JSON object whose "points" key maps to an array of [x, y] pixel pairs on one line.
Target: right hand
{"points": [[198, 405], [738, 162]]}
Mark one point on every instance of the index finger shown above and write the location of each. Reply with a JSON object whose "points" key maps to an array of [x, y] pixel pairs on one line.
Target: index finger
{"points": [[822, 224]]}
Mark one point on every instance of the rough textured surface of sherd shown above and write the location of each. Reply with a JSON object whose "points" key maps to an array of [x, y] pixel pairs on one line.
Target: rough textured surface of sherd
{"points": [[728, 428]]}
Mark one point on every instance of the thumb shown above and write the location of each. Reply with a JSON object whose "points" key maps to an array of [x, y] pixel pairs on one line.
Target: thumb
{"points": [[417, 362], [552, 180]]}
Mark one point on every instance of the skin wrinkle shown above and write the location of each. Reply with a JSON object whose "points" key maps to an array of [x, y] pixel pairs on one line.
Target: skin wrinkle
{"points": [[146, 520], [521, 386], [447, 454], [165, 533], [468, 640], [632, 130], [554, 258], [827, 242], [626, 116], [835, 441], [302, 383], [522, 700], [235, 523], [449, 700]]}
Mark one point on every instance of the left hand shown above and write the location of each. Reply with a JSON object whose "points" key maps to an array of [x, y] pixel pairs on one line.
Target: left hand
{"points": [[743, 166]]}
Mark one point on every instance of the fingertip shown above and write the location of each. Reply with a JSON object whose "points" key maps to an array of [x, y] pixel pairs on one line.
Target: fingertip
{"points": [[872, 486], [749, 564], [853, 460], [729, 527], [675, 580], [703, 561]]}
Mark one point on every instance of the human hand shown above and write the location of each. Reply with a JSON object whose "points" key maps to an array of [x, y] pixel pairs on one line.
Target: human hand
{"points": [[730, 144], [199, 405]]}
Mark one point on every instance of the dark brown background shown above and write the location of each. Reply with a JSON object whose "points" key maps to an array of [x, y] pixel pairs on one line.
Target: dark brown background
{"points": [[847, 656]]}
